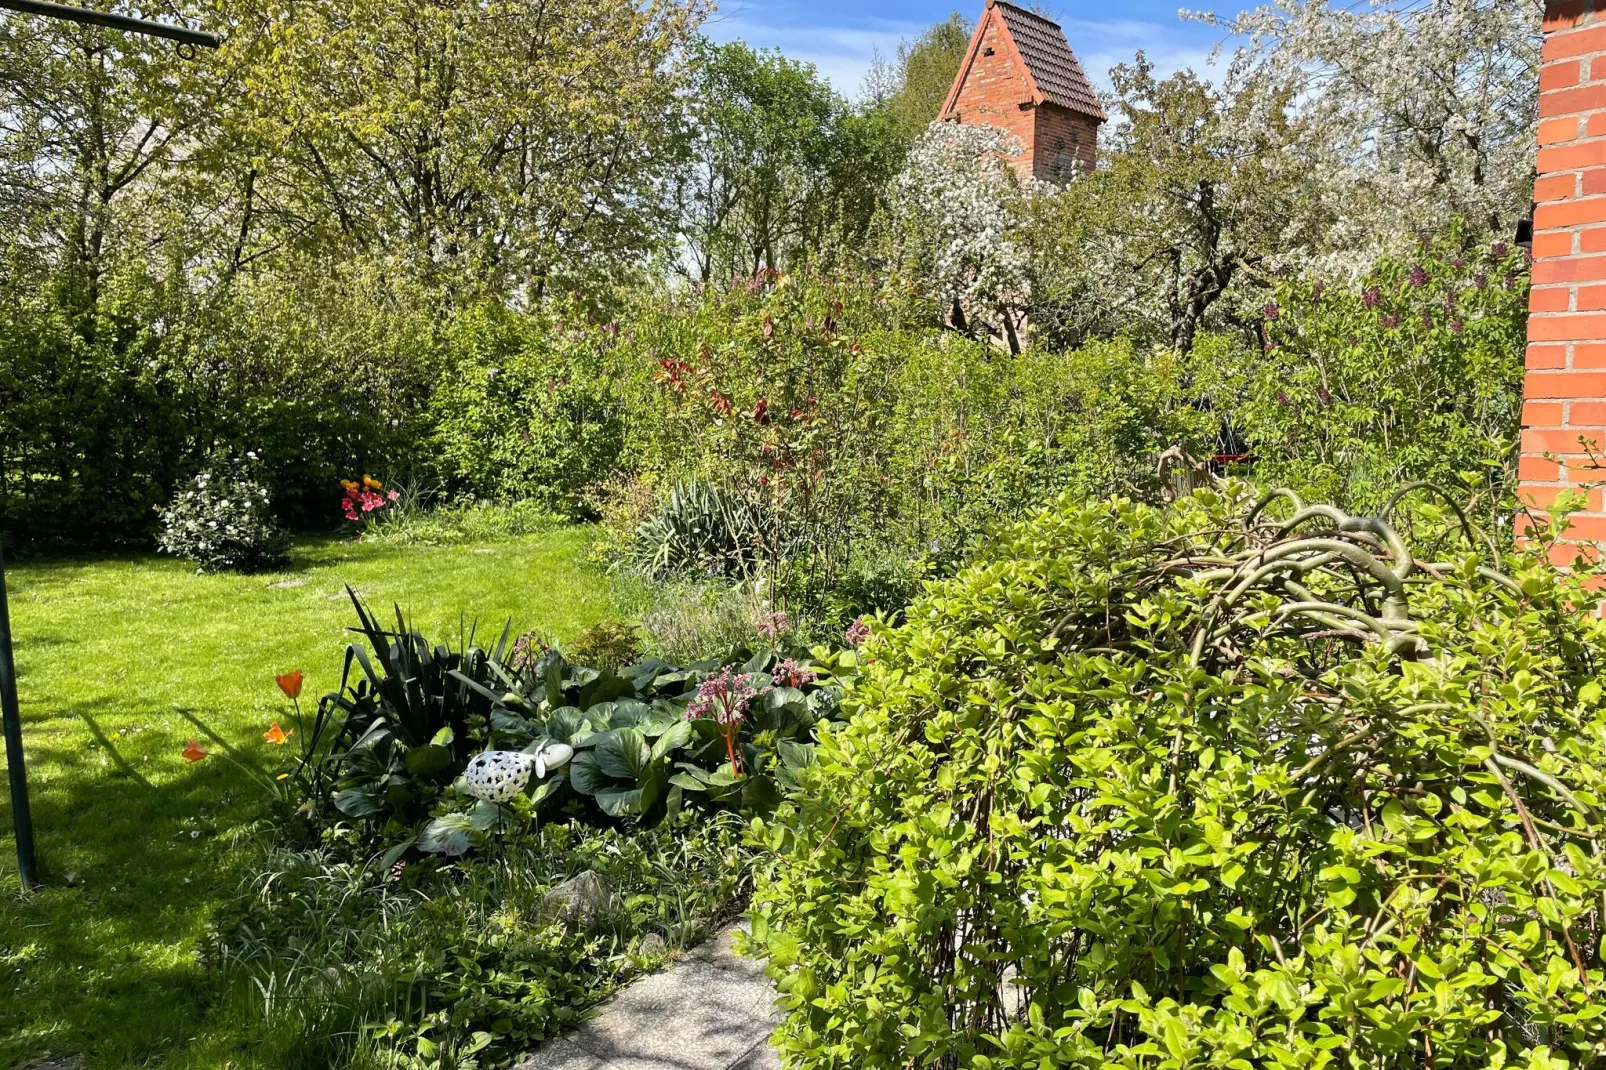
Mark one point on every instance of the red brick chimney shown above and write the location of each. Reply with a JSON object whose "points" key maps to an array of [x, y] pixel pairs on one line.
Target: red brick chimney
{"points": [[1565, 389]]}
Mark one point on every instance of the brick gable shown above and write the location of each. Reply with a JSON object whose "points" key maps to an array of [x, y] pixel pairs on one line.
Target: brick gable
{"points": [[1020, 75]]}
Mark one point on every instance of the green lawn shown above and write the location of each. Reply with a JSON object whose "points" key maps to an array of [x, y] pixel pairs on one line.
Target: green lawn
{"points": [[118, 657]]}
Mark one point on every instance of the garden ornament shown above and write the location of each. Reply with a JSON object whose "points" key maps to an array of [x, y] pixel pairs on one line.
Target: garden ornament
{"points": [[498, 775]]}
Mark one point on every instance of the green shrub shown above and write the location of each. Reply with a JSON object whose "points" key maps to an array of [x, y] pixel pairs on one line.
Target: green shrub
{"points": [[608, 644], [223, 521], [862, 440], [707, 529], [1196, 787], [1414, 372], [528, 409]]}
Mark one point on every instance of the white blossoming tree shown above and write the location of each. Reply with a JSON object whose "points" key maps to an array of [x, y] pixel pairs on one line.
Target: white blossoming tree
{"points": [[955, 214], [1415, 112]]}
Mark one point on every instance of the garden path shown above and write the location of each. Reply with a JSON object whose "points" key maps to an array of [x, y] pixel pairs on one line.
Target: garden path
{"points": [[712, 1010]]}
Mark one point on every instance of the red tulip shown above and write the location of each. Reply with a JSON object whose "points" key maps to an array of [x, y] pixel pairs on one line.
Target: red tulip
{"points": [[192, 752], [290, 684]]}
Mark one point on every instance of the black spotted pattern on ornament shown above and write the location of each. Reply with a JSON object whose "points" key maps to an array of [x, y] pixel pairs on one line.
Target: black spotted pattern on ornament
{"points": [[497, 775]]}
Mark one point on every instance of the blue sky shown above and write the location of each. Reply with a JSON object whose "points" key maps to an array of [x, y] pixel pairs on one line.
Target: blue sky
{"points": [[840, 37]]}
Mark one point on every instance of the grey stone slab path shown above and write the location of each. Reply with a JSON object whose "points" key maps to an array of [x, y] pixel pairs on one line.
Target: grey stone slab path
{"points": [[712, 1010]]}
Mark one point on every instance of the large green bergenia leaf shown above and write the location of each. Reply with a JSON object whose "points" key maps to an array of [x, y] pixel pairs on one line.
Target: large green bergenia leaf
{"points": [[623, 753]]}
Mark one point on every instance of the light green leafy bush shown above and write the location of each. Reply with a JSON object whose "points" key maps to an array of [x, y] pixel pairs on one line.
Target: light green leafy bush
{"points": [[1185, 787], [527, 409]]}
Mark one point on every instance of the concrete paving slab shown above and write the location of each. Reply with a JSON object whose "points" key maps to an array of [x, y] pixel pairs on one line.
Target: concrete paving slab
{"points": [[713, 1010]]}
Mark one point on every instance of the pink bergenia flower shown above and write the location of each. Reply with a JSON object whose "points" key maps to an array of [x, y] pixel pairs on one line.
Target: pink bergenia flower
{"points": [[857, 632], [723, 698], [774, 625], [790, 674]]}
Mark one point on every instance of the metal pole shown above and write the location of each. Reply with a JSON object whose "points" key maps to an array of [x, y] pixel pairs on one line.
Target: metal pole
{"points": [[21, 816], [116, 22]]}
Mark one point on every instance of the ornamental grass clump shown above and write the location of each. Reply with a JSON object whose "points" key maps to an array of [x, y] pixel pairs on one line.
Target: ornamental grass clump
{"points": [[1232, 783]]}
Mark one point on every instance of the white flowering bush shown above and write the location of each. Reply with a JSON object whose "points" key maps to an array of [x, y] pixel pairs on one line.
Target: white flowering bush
{"points": [[956, 210], [223, 521]]}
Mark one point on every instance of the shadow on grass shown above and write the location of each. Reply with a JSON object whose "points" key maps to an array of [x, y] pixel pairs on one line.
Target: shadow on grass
{"points": [[106, 960]]}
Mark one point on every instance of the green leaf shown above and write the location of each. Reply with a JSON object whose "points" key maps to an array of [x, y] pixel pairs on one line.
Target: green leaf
{"points": [[622, 753], [448, 835]]}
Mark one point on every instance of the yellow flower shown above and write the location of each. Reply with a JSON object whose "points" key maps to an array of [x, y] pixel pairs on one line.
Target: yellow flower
{"points": [[372, 484]]}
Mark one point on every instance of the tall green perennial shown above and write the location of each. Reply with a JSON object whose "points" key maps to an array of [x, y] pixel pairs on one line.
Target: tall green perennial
{"points": [[1226, 784]]}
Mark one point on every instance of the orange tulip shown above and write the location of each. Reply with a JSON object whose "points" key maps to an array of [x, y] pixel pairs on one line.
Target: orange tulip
{"points": [[290, 684], [372, 484], [277, 735], [192, 752], [350, 485]]}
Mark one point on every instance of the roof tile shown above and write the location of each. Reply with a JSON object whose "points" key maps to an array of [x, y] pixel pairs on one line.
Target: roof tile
{"points": [[1049, 59]]}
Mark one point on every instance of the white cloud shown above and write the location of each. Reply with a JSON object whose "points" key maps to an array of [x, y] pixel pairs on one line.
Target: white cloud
{"points": [[843, 53]]}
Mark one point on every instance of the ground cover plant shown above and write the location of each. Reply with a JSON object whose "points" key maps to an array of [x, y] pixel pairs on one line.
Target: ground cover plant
{"points": [[122, 661], [1237, 782]]}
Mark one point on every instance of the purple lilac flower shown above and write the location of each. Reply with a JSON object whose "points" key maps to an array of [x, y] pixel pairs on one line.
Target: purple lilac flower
{"points": [[1457, 326], [857, 632], [1481, 280], [1418, 277], [790, 674], [1317, 291], [1371, 297], [1324, 396], [1271, 311], [1282, 399], [1500, 250], [1390, 320], [722, 698]]}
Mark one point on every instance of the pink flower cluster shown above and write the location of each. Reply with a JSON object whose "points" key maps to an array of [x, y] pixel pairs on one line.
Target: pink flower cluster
{"points": [[774, 625], [723, 698], [857, 632], [790, 674]]}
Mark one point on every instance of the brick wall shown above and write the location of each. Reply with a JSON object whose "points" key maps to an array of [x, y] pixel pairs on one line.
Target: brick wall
{"points": [[994, 90], [1064, 141], [1565, 390]]}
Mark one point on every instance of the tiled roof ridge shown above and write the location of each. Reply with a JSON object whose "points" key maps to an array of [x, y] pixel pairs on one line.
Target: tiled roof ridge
{"points": [[1050, 62]]}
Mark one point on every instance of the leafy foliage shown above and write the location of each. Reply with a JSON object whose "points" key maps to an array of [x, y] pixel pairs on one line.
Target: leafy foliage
{"points": [[335, 961], [223, 521], [709, 529], [1231, 783], [387, 749], [609, 643], [1414, 372]]}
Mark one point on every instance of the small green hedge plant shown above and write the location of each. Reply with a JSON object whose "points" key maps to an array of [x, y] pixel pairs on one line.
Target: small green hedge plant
{"points": [[223, 520], [1193, 786]]}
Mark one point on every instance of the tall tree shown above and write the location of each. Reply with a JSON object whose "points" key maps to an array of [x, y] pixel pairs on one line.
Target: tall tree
{"points": [[92, 123], [1194, 201], [781, 167], [507, 144], [912, 88]]}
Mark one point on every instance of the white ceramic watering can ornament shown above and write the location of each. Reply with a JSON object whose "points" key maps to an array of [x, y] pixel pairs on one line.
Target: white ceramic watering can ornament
{"points": [[498, 775]]}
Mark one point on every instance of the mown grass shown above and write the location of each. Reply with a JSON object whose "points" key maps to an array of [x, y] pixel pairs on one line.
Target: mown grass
{"points": [[123, 659]]}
